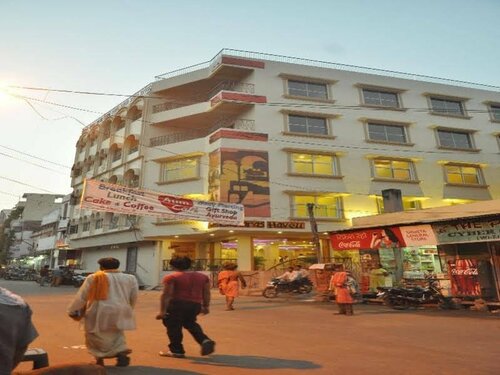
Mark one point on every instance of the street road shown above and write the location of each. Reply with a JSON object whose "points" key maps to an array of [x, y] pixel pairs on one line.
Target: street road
{"points": [[284, 337]]}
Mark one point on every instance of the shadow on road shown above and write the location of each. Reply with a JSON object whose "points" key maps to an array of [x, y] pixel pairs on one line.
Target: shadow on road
{"points": [[256, 362], [149, 370]]}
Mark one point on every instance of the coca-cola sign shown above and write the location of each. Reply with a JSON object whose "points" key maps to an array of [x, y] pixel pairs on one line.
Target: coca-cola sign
{"points": [[464, 276], [368, 239]]}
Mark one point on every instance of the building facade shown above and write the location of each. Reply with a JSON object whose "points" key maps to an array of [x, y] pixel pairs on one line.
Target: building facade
{"points": [[276, 134]]}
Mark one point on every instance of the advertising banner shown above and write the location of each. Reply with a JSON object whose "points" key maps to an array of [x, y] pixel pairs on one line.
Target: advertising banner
{"points": [[418, 235], [367, 239], [464, 276], [103, 196], [468, 231]]}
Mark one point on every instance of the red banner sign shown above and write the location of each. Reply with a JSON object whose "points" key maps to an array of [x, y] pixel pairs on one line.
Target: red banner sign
{"points": [[367, 239]]}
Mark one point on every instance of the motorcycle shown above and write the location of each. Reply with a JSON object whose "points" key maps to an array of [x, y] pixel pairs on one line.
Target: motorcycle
{"points": [[79, 278], [277, 286], [401, 298]]}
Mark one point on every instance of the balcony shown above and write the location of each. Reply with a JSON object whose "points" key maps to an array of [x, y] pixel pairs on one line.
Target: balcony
{"points": [[242, 124], [183, 104]]}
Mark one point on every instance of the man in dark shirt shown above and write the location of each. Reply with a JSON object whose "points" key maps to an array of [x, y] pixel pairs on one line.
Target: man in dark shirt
{"points": [[185, 295]]}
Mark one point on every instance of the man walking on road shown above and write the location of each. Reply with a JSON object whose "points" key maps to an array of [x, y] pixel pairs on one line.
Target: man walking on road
{"points": [[185, 295], [106, 301]]}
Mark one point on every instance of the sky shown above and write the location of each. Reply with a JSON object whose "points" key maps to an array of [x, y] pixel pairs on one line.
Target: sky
{"points": [[119, 46]]}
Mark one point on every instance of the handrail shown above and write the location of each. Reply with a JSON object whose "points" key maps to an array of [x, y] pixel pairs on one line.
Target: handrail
{"points": [[325, 64]]}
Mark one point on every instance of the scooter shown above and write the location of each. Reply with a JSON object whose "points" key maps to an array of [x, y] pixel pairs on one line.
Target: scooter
{"points": [[401, 298], [277, 286]]}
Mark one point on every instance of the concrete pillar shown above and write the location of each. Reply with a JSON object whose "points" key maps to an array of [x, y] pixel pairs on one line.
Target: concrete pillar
{"points": [[245, 253], [393, 202]]}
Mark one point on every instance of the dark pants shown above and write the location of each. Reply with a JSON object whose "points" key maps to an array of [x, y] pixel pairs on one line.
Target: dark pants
{"points": [[182, 314]]}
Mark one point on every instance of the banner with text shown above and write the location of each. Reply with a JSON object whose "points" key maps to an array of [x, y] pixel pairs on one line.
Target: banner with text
{"points": [[103, 196]]}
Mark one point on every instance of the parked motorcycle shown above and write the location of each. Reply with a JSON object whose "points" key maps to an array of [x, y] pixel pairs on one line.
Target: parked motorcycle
{"points": [[401, 298], [277, 286]]}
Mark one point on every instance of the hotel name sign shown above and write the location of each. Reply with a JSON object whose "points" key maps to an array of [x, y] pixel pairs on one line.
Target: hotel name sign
{"points": [[266, 224]]}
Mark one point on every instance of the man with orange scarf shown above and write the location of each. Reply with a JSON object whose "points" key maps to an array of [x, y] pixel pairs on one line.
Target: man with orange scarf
{"points": [[340, 284], [105, 301]]}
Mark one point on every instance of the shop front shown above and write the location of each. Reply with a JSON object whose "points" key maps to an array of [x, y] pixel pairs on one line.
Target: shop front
{"points": [[388, 256], [463, 254], [470, 252]]}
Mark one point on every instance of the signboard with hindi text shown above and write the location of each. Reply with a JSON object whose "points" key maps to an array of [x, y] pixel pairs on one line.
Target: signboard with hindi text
{"points": [[103, 196]]}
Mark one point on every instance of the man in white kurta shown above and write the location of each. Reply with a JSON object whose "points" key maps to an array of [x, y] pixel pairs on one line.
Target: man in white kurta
{"points": [[107, 308]]}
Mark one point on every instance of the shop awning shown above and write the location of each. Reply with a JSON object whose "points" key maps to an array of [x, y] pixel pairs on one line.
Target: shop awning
{"points": [[430, 215]]}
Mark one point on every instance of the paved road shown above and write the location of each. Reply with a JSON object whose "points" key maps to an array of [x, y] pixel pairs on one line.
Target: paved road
{"points": [[286, 337]]}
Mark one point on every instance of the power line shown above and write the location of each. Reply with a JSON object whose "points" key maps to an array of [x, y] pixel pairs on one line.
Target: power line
{"points": [[35, 157], [22, 183]]}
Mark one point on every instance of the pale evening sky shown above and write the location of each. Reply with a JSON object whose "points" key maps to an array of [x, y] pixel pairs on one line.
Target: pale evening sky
{"points": [[119, 46]]}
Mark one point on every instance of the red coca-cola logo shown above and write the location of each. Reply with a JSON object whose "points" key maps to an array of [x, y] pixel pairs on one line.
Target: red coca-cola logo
{"points": [[465, 272], [350, 245], [175, 204]]}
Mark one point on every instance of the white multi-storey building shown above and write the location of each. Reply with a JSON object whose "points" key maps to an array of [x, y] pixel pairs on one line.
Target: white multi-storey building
{"points": [[276, 133]]}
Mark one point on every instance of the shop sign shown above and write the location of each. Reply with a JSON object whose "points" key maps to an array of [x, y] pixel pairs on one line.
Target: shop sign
{"points": [[418, 235], [286, 224], [264, 224], [102, 196], [464, 276], [368, 239], [468, 231]]}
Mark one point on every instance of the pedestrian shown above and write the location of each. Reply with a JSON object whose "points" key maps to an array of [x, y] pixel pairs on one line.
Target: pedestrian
{"points": [[57, 275], [185, 295], [16, 330], [229, 283], [377, 277], [44, 274], [105, 301], [343, 298]]}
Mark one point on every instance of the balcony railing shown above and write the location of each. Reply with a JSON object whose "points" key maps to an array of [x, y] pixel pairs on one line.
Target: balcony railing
{"points": [[247, 88], [216, 60], [241, 124]]}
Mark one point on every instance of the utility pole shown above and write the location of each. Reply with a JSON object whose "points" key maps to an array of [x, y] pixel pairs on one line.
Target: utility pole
{"points": [[314, 230]]}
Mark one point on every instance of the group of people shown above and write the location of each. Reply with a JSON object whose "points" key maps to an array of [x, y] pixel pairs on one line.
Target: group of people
{"points": [[104, 306]]}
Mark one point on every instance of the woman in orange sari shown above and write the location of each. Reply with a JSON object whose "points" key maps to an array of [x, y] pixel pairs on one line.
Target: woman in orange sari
{"points": [[340, 283], [229, 285]]}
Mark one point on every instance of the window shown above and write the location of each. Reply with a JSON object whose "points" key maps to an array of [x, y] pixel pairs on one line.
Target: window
{"points": [[447, 106], [314, 164], [381, 98], [387, 133], [401, 170], [98, 223], [495, 112], [463, 174], [308, 89], [455, 139], [409, 204], [179, 170], [86, 226], [117, 154], [133, 146], [325, 206], [113, 221], [307, 125], [73, 229]]}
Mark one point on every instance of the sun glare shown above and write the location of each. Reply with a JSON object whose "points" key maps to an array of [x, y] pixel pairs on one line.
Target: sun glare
{"points": [[4, 93]]}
